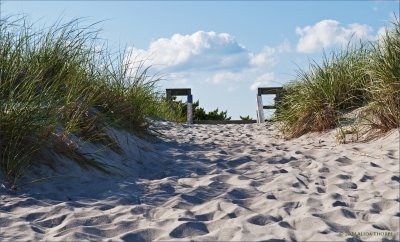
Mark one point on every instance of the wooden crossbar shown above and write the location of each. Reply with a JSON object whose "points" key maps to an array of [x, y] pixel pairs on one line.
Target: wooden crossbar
{"points": [[269, 107], [182, 92], [278, 91], [178, 92], [269, 90]]}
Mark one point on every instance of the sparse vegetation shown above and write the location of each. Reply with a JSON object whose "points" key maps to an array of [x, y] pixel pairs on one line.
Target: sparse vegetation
{"points": [[246, 118], [199, 113]]}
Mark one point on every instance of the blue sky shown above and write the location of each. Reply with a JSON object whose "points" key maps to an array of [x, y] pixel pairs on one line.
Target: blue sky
{"points": [[223, 50]]}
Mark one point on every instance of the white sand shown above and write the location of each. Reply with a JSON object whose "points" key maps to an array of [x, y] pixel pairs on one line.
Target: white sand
{"points": [[208, 183]]}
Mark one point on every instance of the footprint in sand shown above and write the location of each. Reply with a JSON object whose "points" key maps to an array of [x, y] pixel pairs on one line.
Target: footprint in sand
{"points": [[290, 206], [347, 185], [262, 220], [143, 235], [238, 161], [140, 209], [381, 226], [395, 178], [376, 208], [321, 190], [192, 199], [223, 152], [256, 183], [105, 207], [285, 225], [38, 230], [204, 217], [230, 216], [53, 222], [239, 193], [344, 161], [189, 229], [375, 165], [339, 203], [344, 177], [34, 216], [366, 178], [323, 170], [347, 213], [280, 160]]}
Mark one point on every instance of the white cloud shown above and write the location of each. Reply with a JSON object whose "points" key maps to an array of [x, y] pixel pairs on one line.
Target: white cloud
{"points": [[330, 32], [204, 51], [262, 80], [208, 58], [265, 57], [226, 77], [198, 50]]}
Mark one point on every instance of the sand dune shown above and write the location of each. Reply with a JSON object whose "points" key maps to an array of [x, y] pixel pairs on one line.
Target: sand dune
{"points": [[215, 183]]}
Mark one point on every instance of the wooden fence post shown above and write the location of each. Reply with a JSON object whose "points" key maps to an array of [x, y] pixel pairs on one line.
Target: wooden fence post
{"points": [[171, 92], [189, 109], [169, 95], [278, 91], [260, 110]]}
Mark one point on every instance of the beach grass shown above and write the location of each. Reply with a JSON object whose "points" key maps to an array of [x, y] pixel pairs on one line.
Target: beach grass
{"points": [[384, 71], [360, 75], [61, 81]]}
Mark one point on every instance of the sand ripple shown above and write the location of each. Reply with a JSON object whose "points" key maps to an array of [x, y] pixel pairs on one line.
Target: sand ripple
{"points": [[218, 182]]}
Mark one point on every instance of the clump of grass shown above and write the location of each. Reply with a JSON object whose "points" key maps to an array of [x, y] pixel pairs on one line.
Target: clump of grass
{"points": [[57, 82], [358, 76], [315, 101], [384, 90]]}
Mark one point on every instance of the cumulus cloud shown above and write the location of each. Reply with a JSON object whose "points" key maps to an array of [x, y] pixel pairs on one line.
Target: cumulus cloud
{"points": [[200, 50], [208, 58], [226, 77], [204, 51], [264, 57], [330, 32]]}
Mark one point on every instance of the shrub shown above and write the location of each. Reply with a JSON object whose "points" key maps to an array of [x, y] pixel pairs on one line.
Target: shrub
{"points": [[200, 113]]}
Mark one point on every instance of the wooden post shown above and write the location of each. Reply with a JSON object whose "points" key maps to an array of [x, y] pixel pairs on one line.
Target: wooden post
{"points": [[169, 95], [182, 92], [278, 91], [189, 109], [260, 110]]}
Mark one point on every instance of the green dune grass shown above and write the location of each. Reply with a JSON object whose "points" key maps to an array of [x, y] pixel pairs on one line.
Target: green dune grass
{"points": [[364, 75], [60, 81]]}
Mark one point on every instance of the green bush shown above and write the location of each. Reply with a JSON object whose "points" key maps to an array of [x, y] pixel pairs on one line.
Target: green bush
{"points": [[246, 118], [199, 113]]}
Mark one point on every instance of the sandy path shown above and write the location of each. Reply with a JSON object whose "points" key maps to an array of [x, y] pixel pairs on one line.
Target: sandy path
{"points": [[221, 182]]}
